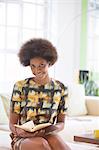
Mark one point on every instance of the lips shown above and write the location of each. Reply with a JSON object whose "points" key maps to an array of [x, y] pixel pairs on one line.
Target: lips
{"points": [[39, 74]]}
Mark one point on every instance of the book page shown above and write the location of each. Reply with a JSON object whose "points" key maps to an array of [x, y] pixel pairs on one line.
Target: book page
{"points": [[40, 126], [30, 127]]}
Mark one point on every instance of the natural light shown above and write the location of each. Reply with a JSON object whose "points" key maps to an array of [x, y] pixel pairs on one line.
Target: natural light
{"points": [[93, 37], [20, 20]]}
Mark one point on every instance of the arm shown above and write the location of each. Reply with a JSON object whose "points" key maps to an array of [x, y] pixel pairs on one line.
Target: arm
{"points": [[15, 111], [61, 111], [60, 122], [14, 118], [15, 107], [58, 126]]}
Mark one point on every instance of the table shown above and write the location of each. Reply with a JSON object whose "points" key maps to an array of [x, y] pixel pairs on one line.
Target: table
{"points": [[87, 138]]}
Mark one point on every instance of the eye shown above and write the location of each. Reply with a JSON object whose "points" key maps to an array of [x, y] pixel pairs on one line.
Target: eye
{"points": [[42, 65], [32, 66]]}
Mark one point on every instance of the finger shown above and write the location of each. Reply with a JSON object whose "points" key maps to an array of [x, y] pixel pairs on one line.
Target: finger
{"points": [[41, 130], [36, 132]]}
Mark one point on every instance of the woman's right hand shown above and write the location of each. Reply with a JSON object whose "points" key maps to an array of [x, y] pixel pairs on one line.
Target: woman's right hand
{"points": [[24, 134], [20, 132]]}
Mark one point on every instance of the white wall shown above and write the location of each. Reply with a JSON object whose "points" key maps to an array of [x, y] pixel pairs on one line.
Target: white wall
{"points": [[66, 23], [64, 32]]}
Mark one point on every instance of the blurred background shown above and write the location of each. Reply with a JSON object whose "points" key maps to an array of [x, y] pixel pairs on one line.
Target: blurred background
{"points": [[71, 25]]}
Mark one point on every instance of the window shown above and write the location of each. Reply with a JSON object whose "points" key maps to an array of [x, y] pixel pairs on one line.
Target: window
{"points": [[91, 83], [93, 36], [20, 20]]}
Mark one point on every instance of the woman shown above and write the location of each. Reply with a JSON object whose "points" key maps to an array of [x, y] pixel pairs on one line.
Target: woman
{"points": [[39, 98]]}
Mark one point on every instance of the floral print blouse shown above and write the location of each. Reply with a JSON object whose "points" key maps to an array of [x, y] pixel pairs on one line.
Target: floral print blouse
{"points": [[40, 103]]}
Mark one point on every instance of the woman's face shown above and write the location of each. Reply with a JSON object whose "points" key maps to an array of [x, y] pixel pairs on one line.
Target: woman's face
{"points": [[39, 67]]}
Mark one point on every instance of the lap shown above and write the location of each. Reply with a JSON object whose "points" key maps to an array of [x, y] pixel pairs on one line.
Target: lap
{"points": [[49, 142], [53, 138], [56, 142], [29, 143]]}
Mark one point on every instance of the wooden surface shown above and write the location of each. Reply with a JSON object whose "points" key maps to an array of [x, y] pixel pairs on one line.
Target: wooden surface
{"points": [[87, 138]]}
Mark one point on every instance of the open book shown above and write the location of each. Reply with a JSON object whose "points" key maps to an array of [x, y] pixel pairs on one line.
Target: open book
{"points": [[30, 127]]}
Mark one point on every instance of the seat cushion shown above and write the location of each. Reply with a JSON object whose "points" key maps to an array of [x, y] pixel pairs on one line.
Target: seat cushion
{"points": [[76, 101], [5, 140], [4, 108], [92, 103]]}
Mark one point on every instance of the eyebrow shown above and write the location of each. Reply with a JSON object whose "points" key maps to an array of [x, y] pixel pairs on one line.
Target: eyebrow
{"points": [[39, 64]]}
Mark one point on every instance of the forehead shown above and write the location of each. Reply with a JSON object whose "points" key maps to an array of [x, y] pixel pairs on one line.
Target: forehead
{"points": [[37, 60]]}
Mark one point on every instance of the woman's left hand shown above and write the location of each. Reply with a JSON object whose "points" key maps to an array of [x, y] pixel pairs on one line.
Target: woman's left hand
{"points": [[51, 128], [54, 128]]}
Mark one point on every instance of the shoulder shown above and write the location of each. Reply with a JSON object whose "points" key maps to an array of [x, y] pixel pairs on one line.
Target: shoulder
{"points": [[22, 83], [59, 84]]}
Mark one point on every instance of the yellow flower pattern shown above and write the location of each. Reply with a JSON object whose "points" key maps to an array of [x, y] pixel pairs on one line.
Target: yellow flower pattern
{"points": [[39, 103]]}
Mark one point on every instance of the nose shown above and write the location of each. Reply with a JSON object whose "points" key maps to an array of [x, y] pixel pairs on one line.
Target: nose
{"points": [[36, 70]]}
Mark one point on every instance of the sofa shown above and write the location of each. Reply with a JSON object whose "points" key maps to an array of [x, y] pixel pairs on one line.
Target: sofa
{"points": [[82, 117]]}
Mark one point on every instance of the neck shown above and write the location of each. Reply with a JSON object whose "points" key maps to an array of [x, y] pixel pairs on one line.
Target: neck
{"points": [[43, 81]]}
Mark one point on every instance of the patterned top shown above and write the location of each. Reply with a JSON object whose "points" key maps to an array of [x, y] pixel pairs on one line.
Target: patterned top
{"points": [[38, 103]]}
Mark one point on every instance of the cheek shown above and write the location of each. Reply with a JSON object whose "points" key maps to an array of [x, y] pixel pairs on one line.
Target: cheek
{"points": [[46, 69], [33, 71]]}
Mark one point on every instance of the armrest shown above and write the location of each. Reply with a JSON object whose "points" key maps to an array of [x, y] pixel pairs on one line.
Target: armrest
{"points": [[92, 104]]}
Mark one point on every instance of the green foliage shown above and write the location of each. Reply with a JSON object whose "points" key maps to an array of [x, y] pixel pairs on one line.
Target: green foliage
{"points": [[91, 88], [90, 81]]}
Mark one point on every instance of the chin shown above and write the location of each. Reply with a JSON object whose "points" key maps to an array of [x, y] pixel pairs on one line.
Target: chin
{"points": [[43, 75], [40, 77]]}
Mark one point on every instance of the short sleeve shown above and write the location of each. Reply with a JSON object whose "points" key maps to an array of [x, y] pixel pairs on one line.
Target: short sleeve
{"points": [[63, 102], [16, 99]]}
